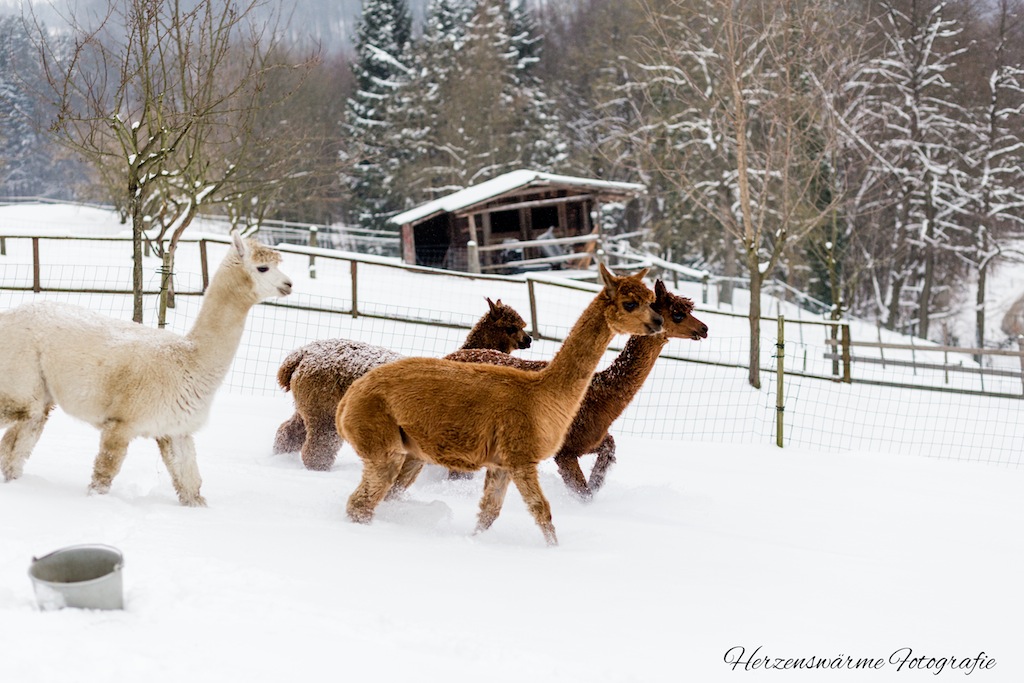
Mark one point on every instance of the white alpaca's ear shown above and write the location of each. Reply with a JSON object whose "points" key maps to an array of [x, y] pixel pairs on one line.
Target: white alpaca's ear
{"points": [[239, 243]]}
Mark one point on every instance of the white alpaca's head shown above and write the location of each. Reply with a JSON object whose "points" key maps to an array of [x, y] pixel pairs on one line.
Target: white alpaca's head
{"points": [[261, 263]]}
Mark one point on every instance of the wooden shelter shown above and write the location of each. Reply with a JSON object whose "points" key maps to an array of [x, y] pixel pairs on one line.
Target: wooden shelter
{"points": [[486, 226]]}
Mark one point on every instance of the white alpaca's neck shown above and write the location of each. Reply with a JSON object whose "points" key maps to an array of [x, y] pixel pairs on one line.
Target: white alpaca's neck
{"points": [[218, 329]]}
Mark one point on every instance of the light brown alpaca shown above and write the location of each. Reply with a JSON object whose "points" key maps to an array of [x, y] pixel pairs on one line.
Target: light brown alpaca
{"points": [[609, 393], [318, 375], [467, 416]]}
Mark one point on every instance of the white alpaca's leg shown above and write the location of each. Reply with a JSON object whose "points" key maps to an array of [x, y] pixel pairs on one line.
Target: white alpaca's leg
{"points": [[113, 448], [179, 455], [17, 444]]}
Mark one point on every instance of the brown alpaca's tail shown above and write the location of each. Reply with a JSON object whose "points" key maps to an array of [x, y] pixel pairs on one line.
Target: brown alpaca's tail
{"points": [[284, 373]]}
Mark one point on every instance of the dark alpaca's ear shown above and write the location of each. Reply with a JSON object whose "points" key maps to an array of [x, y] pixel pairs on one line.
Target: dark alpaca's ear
{"points": [[607, 278], [659, 290], [494, 308]]}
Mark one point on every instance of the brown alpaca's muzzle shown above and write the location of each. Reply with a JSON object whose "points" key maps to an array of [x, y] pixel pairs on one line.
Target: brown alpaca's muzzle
{"points": [[525, 342]]}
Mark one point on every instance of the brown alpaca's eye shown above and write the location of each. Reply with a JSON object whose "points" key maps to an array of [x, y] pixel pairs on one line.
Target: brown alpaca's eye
{"points": [[630, 306], [263, 269], [678, 317], [512, 330]]}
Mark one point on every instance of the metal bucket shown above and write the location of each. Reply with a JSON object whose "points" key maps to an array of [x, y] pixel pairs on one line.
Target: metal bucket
{"points": [[85, 576]]}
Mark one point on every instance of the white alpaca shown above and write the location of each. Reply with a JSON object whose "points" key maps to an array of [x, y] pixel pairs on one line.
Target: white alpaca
{"points": [[125, 379]]}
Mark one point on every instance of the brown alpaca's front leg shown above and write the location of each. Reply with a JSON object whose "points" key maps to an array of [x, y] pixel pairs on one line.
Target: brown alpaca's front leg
{"points": [[495, 486], [605, 459], [379, 476], [290, 435], [572, 475], [529, 488]]}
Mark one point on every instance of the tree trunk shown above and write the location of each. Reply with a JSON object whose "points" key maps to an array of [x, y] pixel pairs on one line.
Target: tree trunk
{"points": [[754, 317], [136, 211], [729, 270]]}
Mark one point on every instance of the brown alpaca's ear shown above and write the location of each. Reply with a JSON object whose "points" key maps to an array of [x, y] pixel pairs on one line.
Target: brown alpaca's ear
{"points": [[641, 275], [494, 308], [607, 278]]}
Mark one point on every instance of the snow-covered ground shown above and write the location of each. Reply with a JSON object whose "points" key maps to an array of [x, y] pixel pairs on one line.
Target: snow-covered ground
{"points": [[695, 548]]}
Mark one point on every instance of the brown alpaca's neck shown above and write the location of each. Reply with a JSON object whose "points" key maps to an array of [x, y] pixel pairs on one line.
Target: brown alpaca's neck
{"points": [[619, 382], [218, 329], [574, 364]]}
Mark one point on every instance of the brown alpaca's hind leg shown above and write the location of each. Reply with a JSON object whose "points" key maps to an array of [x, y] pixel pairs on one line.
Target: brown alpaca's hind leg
{"points": [[495, 487], [406, 476], [379, 475], [605, 459], [322, 442], [529, 488], [290, 435], [572, 475]]}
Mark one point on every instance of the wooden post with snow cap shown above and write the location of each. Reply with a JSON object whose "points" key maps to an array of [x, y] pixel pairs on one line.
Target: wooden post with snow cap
{"points": [[313, 244], [780, 396], [473, 257]]}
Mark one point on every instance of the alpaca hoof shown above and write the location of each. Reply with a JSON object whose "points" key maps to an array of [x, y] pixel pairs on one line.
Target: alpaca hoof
{"points": [[360, 516], [96, 488], [549, 536], [318, 463], [196, 501], [11, 473]]}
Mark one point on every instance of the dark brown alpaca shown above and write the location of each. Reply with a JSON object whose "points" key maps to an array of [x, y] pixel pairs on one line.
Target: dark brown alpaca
{"points": [[467, 416], [318, 375], [610, 390]]}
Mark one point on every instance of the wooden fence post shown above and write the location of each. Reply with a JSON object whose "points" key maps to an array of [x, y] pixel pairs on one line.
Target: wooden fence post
{"points": [[165, 281], [36, 286], [3, 246], [846, 354], [353, 268], [204, 264], [1020, 345], [473, 257], [312, 259], [780, 396], [534, 330]]}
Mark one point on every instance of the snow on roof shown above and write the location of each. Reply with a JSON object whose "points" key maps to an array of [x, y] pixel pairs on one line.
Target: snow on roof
{"points": [[507, 183]]}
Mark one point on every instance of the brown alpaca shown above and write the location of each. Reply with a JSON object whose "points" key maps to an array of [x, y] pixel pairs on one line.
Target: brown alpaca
{"points": [[609, 393], [467, 416], [318, 375]]}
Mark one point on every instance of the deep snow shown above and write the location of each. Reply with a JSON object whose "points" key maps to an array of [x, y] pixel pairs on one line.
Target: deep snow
{"points": [[692, 549]]}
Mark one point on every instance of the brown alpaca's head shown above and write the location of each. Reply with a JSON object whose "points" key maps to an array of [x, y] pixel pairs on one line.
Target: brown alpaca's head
{"points": [[500, 329], [678, 314], [628, 304]]}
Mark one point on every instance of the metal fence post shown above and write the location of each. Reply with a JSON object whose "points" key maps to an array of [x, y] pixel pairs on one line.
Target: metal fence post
{"points": [[780, 396]]}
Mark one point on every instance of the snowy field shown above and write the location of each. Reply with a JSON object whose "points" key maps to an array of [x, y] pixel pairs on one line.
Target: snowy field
{"points": [[694, 550]]}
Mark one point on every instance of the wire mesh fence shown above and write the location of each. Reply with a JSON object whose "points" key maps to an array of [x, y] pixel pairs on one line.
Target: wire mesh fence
{"points": [[696, 392]]}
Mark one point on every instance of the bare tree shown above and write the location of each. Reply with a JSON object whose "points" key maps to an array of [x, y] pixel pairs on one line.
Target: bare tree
{"points": [[729, 114], [164, 95]]}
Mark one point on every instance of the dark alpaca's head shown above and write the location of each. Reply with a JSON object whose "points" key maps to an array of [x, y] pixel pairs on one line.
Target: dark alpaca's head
{"points": [[501, 329], [678, 314]]}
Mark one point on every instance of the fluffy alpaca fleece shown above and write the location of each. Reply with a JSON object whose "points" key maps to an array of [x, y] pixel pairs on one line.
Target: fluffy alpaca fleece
{"points": [[125, 379], [467, 416], [610, 390], [318, 375]]}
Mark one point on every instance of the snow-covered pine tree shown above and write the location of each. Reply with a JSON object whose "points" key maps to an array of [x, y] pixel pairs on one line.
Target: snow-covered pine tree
{"points": [[381, 67], [472, 110]]}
